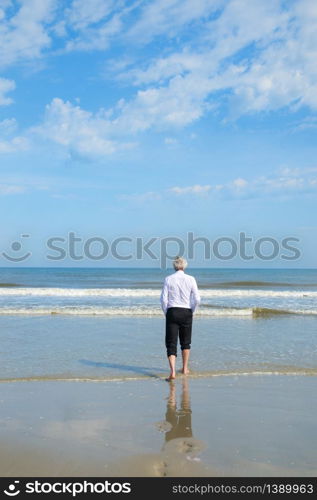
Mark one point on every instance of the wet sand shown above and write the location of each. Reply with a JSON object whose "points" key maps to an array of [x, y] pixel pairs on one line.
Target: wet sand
{"points": [[262, 425]]}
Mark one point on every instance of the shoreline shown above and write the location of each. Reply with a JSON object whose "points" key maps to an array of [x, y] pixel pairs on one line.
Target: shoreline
{"points": [[278, 371], [213, 426]]}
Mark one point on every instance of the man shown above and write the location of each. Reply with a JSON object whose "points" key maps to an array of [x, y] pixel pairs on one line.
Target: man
{"points": [[179, 299]]}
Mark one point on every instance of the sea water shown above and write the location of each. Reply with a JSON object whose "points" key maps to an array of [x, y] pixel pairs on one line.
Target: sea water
{"points": [[101, 324]]}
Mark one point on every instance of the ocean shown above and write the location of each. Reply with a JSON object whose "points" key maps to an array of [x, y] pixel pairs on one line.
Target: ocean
{"points": [[101, 324]]}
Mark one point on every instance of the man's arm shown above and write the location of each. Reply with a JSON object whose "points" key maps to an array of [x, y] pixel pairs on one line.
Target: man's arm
{"points": [[194, 296], [164, 296]]}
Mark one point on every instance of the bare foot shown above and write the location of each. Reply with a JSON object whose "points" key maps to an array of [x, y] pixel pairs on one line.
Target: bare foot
{"points": [[185, 372], [170, 378]]}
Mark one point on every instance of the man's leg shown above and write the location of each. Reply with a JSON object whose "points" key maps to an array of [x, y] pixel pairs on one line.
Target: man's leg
{"points": [[185, 337], [172, 363], [185, 354], [171, 337]]}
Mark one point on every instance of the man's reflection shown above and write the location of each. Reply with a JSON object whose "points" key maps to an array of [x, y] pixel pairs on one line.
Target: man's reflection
{"points": [[179, 418]]}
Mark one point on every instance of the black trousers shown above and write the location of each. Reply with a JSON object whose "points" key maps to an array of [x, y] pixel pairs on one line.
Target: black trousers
{"points": [[178, 324]]}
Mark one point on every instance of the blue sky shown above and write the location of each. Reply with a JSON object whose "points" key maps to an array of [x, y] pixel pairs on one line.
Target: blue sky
{"points": [[158, 118]]}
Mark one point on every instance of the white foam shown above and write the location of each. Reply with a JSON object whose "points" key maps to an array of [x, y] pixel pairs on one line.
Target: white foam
{"points": [[140, 311], [117, 311], [80, 292], [148, 292], [259, 293]]}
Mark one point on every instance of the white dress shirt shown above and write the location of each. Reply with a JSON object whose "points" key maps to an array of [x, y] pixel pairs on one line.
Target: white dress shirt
{"points": [[180, 290]]}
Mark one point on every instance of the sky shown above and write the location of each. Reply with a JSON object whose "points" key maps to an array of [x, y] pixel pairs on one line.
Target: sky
{"points": [[146, 119]]}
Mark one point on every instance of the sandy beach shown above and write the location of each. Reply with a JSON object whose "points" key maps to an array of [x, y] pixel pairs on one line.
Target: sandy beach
{"points": [[214, 426]]}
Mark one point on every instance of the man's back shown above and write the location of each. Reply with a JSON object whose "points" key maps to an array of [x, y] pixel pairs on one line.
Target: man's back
{"points": [[180, 290]]}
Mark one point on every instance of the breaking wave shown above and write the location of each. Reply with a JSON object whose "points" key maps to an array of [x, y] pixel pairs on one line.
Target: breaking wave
{"points": [[204, 311], [147, 292]]}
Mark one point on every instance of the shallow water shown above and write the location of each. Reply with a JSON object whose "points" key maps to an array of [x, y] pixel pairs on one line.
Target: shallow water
{"points": [[105, 348]]}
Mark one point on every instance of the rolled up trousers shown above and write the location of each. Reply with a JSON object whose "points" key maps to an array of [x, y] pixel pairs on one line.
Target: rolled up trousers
{"points": [[178, 325]]}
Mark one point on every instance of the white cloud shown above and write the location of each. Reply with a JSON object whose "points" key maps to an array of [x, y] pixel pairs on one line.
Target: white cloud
{"points": [[164, 68], [6, 189], [5, 87], [285, 183], [95, 23], [28, 28], [79, 130], [253, 66], [82, 13], [212, 53], [282, 71], [8, 127], [24, 35], [223, 49], [170, 141], [309, 122], [175, 105], [97, 39], [106, 132], [197, 189], [8, 142], [168, 17], [14, 145], [239, 183]]}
